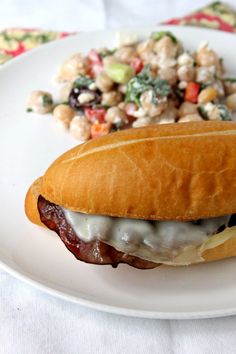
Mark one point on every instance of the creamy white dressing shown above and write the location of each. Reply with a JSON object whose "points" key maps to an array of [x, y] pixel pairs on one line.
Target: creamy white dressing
{"points": [[185, 59], [149, 240]]}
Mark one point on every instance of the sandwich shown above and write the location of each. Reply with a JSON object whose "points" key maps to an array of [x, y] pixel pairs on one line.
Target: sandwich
{"points": [[155, 195]]}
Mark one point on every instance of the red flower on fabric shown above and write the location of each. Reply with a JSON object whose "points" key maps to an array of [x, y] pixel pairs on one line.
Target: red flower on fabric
{"points": [[223, 26]]}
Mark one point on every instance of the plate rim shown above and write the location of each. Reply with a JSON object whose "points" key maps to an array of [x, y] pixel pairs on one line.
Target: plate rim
{"points": [[117, 310], [72, 35]]}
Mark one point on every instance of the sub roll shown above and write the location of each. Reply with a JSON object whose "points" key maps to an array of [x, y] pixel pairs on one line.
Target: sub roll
{"points": [[156, 195]]}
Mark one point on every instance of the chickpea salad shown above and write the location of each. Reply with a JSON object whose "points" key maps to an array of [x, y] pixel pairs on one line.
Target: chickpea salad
{"points": [[140, 83]]}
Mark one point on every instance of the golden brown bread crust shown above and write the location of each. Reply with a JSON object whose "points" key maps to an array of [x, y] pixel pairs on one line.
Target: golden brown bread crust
{"points": [[177, 172], [31, 199]]}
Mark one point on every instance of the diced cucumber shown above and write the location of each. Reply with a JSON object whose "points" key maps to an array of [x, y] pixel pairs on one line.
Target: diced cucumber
{"points": [[120, 73]]}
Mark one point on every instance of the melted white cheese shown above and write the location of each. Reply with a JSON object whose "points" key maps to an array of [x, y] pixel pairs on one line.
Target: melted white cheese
{"points": [[149, 240]]}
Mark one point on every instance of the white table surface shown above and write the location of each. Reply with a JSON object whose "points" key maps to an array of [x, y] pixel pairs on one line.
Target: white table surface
{"points": [[33, 322]]}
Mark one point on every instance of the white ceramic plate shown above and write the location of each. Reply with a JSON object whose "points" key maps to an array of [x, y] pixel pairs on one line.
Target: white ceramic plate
{"points": [[28, 143]]}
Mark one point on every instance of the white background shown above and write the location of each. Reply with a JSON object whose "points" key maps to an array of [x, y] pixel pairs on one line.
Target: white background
{"points": [[32, 322], [74, 15]]}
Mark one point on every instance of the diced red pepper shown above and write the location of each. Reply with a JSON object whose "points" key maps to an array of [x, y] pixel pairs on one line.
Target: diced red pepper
{"points": [[137, 64], [98, 129], [95, 114], [96, 69], [95, 62], [191, 92], [94, 56]]}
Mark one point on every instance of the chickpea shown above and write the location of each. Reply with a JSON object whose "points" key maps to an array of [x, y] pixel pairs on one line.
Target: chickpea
{"points": [[142, 122], [80, 128], [190, 118], [111, 98], [186, 73], [152, 109], [115, 115], [169, 115], [139, 113], [164, 62], [122, 105], [207, 95], [219, 87], [130, 108], [65, 91], [104, 82], [185, 59], [122, 88], [63, 115], [166, 47], [166, 121], [206, 57], [145, 48], [187, 108], [72, 67], [40, 102], [231, 101], [154, 62], [205, 75], [125, 54], [182, 85], [168, 74], [230, 87]]}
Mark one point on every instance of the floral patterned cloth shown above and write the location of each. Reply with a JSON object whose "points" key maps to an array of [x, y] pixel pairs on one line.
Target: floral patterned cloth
{"points": [[217, 15], [18, 40]]}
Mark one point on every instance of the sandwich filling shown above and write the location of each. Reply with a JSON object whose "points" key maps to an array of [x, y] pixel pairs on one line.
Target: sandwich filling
{"points": [[168, 242], [95, 252]]}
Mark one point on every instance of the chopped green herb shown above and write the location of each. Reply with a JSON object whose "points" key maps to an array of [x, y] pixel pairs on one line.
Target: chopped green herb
{"points": [[202, 112], [203, 85], [82, 82], [224, 112], [105, 52], [145, 82], [159, 35], [47, 101], [29, 110], [230, 79]]}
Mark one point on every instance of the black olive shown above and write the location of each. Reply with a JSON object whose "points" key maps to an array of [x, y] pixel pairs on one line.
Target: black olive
{"points": [[114, 128], [177, 96], [120, 126], [74, 94]]}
